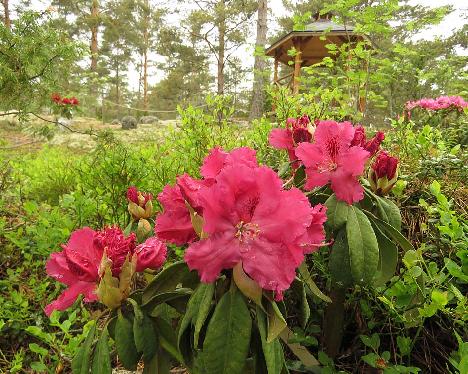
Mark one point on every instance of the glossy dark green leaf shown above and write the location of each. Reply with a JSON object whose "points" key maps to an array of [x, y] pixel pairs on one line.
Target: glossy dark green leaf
{"points": [[146, 340], [101, 358], [337, 212], [363, 246], [81, 361], [167, 337], [226, 344], [166, 280], [339, 261], [388, 258], [125, 343], [163, 297], [391, 232], [389, 212]]}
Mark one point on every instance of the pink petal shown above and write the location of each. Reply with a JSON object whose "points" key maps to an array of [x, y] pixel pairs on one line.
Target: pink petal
{"points": [[213, 163], [175, 226], [151, 254], [83, 256], [342, 132], [315, 233], [57, 268], [69, 295], [281, 139], [346, 187], [190, 188], [283, 216], [210, 256], [353, 160], [270, 264]]}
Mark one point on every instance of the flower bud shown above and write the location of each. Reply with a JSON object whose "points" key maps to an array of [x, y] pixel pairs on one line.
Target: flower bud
{"points": [[140, 204], [143, 229], [383, 173], [112, 290]]}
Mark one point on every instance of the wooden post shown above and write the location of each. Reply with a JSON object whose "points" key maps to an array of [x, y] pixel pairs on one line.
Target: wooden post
{"points": [[297, 67], [275, 74]]}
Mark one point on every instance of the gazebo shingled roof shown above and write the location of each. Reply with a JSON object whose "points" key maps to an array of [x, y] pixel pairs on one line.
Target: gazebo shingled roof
{"points": [[309, 45]]}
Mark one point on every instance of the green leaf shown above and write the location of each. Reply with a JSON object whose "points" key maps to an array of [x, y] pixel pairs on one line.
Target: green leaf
{"points": [[125, 343], [101, 358], [372, 341], [166, 280], [159, 364], [337, 212], [307, 278], [226, 344], [388, 258], [167, 337], [81, 361], [247, 285], [204, 308], [391, 232], [363, 246], [164, 297], [145, 337], [339, 261], [389, 212], [276, 322], [273, 352], [307, 359]]}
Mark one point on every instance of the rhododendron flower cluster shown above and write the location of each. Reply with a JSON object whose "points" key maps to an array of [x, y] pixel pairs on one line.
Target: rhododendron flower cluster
{"points": [[297, 130], [383, 173], [247, 218], [100, 265], [335, 157], [442, 102], [57, 99]]}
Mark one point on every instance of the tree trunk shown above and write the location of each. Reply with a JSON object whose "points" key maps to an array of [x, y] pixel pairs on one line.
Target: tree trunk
{"points": [[221, 47], [258, 90], [6, 18], [117, 88], [145, 57], [94, 34]]}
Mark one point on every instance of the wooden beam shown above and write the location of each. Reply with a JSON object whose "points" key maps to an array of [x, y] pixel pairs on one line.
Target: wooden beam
{"points": [[297, 66]]}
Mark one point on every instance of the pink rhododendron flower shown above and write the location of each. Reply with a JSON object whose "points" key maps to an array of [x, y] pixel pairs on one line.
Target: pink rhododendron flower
{"points": [[442, 102], [78, 265], [332, 158], [249, 218], [151, 254], [314, 236], [298, 130], [174, 224], [218, 159]]}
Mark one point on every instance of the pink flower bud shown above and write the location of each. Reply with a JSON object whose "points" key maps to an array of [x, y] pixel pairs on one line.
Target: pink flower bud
{"points": [[383, 173], [151, 254]]}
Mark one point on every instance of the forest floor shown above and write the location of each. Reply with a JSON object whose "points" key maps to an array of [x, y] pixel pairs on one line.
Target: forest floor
{"points": [[77, 135]]}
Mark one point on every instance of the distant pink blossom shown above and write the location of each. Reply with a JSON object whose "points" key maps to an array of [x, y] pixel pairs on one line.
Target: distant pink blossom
{"points": [[249, 218], [442, 102], [332, 159]]}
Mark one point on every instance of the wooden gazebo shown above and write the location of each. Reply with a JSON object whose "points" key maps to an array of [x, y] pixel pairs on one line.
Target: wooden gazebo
{"points": [[309, 46]]}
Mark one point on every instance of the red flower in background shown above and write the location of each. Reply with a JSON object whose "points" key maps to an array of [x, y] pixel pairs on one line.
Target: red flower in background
{"points": [[56, 98], [332, 159]]}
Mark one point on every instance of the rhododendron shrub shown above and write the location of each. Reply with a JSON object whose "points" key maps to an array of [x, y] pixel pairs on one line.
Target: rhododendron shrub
{"points": [[247, 238]]}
